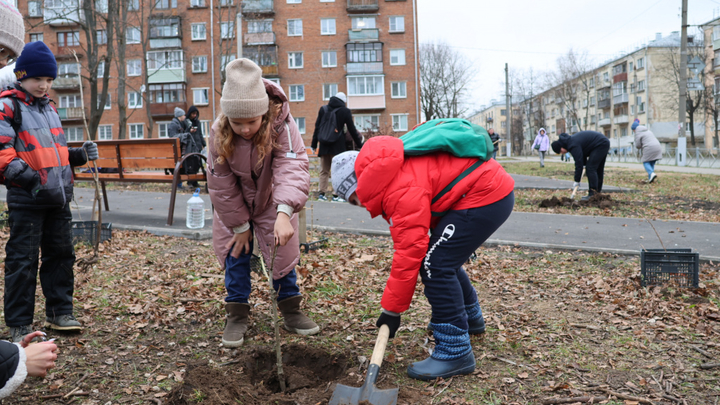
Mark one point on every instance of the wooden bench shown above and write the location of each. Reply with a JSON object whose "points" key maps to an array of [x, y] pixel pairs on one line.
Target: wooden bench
{"points": [[134, 160]]}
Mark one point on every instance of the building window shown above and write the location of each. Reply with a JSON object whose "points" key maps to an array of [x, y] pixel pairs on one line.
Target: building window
{"points": [[397, 57], [297, 92], [200, 96], [135, 131], [104, 132], [259, 26], [365, 85], [640, 63], [398, 90], [227, 29], [275, 80], [327, 1], [300, 122], [329, 59], [134, 67], [397, 23], [198, 32], [359, 23], [34, 9], [165, 4], [360, 53], [133, 5], [226, 3], [592, 101], [101, 37], [367, 122], [327, 26], [165, 60], [74, 134], [167, 93], [399, 122], [135, 100], [70, 101], [101, 6], [101, 69], [640, 104], [132, 35], [641, 85], [197, 3], [591, 83], [606, 77], [68, 70], [295, 60], [107, 101], [294, 1], [199, 64], [163, 129], [294, 27], [503, 112], [36, 37], [205, 126], [71, 38], [225, 59], [329, 90]]}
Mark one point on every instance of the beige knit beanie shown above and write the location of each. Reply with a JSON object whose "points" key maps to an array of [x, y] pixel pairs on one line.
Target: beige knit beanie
{"points": [[12, 28], [244, 94]]}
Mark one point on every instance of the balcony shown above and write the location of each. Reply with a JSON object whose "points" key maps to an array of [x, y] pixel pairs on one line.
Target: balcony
{"points": [[166, 75], [73, 113], [362, 5], [66, 83], [604, 103], [621, 98], [68, 14], [166, 109], [620, 119], [271, 70], [258, 7], [159, 43], [364, 67], [366, 102], [260, 38], [364, 35], [620, 77], [604, 122]]}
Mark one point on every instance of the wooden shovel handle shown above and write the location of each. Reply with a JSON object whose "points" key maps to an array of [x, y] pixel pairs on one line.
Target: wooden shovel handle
{"points": [[380, 344]]}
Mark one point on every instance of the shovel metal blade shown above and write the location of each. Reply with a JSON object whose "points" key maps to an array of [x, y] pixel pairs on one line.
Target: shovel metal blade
{"points": [[367, 394]]}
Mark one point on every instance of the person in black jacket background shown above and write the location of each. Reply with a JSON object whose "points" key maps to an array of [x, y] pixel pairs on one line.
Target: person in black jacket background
{"points": [[495, 138], [589, 149], [327, 151], [195, 164]]}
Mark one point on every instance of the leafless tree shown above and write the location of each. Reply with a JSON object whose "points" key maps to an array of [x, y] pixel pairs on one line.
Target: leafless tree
{"points": [[571, 84], [225, 14], [445, 75], [524, 87]]}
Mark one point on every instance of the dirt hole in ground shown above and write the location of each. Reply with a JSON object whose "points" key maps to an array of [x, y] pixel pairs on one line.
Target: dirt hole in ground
{"points": [[598, 201], [252, 378]]}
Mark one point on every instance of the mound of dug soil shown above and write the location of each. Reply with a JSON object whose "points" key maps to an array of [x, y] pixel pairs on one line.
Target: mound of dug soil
{"points": [[598, 201], [253, 380]]}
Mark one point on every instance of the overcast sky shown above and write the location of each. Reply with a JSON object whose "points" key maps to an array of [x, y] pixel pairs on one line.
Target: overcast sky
{"points": [[531, 33]]}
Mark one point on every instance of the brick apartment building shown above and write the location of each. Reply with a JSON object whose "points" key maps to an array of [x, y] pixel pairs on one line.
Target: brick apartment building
{"points": [[312, 48]]}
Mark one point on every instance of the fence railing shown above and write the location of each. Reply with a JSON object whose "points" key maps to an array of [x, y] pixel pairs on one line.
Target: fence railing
{"points": [[697, 157]]}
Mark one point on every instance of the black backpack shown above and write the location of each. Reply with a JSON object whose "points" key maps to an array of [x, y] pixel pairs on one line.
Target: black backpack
{"points": [[328, 132]]}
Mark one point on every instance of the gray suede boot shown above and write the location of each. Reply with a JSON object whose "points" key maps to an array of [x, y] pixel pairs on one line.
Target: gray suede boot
{"points": [[236, 324], [295, 320]]}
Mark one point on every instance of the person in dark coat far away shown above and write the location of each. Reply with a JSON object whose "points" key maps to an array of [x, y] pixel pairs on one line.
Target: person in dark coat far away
{"points": [[495, 138], [589, 149], [193, 115], [328, 150]]}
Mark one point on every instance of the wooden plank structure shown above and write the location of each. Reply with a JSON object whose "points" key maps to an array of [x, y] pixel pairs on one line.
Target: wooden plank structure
{"points": [[140, 161]]}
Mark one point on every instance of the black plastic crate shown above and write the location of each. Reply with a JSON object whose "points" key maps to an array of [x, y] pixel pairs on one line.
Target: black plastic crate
{"points": [[86, 231], [671, 267]]}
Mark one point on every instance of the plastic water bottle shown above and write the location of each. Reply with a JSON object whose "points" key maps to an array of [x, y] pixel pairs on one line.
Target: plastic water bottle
{"points": [[195, 218]]}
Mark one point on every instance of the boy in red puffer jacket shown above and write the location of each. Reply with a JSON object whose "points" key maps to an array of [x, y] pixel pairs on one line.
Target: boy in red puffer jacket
{"points": [[408, 192]]}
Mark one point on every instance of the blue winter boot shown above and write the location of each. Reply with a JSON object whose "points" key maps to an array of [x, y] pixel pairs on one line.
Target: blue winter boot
{"points": [[476, 322], [453, 355]]}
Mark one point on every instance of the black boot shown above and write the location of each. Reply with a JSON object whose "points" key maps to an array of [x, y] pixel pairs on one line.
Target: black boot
{"points": [[452, 356]]}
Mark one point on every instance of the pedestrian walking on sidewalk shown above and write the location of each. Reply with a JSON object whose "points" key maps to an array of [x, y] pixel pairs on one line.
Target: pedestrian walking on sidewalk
{"points": [[258, 181], [589, 149], [646, 142], [326, 151], [495, 138], [542, 145], [401, 188], [36, 167]]}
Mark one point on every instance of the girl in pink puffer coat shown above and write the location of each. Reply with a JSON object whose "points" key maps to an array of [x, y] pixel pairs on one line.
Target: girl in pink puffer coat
{"points": [[258, 180]]}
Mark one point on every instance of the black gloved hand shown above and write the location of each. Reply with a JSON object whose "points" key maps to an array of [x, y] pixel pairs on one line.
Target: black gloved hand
{"points": [[392, 321]]}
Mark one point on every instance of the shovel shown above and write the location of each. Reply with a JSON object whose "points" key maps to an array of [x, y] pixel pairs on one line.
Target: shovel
{"points": [[368, 393], [575, 189]]}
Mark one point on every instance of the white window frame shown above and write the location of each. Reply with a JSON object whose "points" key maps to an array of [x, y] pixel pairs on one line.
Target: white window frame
{"points": [[294, 90], [136, 129], [163, 129], [329, 59], [399, 125], [641, 85], [362, 124], [275, 80], [398, 89], [37, 36], [201, 90], [327, 1], [353, 85], [201, 35], [640, 63], [329, 90], [300, 122], [363, 22], [197, 3], [70, 101], [327, 26], [100, 69], [292, 60], [132, 35], [135, 100], [134, 67], [108, 102], [102, 132], [295, 27], [227, 29], [397, 23], [101, 37], [199, 58], [294, 1], [397, 54], [164, 60], [35, 9], [74, 131]]}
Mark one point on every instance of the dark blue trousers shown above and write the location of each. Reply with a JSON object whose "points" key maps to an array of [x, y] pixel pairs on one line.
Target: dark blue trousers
{"points": [[238, 281], [453, 241]]}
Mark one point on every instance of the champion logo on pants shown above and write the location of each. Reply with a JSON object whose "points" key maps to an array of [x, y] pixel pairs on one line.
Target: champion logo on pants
{"points": [[447, 234]]}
